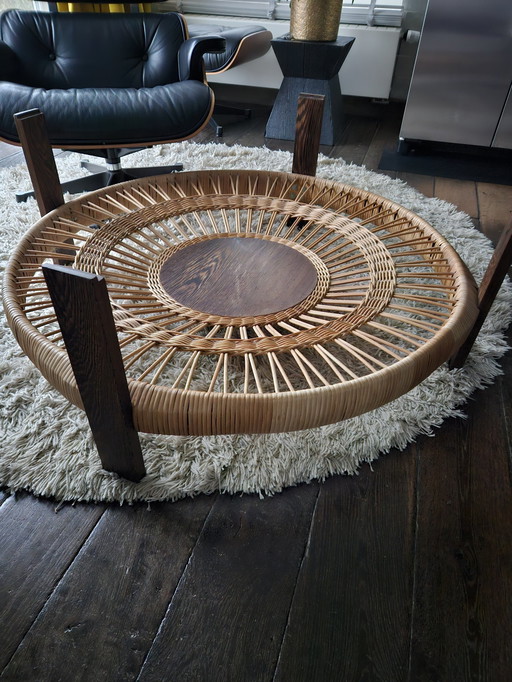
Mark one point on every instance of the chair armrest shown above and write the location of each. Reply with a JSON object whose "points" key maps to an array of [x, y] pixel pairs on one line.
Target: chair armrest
{"points": [[190, 56], [8, 63]]}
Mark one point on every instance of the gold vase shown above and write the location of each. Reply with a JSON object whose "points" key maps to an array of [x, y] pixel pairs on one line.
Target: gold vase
{"points": [[315, 19]]}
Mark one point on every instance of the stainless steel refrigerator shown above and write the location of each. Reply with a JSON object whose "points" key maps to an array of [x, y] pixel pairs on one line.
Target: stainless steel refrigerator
{"points": [[460, 90]]}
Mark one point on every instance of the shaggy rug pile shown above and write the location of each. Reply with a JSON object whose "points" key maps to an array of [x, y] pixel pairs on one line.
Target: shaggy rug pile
{"points": [[46, 446]]}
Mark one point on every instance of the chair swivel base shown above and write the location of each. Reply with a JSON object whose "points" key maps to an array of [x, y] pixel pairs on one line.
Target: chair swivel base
{"points": [[226, 110], [105, 178]]}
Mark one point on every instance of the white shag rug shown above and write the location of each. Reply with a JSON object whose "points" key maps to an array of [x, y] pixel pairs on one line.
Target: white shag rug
{"points": [[45, 443]]}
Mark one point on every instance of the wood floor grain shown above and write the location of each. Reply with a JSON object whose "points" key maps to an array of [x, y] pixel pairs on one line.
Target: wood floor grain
{"points": [[401, 573]]}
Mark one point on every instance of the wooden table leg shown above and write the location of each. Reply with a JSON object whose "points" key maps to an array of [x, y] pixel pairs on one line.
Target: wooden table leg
{"points": [[495, 274], [85, 317], [307, 133], [40, 160]]}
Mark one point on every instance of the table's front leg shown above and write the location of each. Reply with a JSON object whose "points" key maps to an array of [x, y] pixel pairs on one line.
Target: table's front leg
{"points": [[85, 317]]}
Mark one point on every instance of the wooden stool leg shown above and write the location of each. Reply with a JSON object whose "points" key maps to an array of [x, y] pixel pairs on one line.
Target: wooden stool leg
{"points": [[85, 317], [495, 274], [40, 160], [307, 133]]}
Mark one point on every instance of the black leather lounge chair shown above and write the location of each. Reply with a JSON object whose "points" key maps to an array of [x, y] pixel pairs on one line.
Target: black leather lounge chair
{"points": [[107, 84]]}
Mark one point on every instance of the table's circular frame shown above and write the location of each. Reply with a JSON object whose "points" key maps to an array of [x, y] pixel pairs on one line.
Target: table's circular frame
{"points": [[391, 301]]}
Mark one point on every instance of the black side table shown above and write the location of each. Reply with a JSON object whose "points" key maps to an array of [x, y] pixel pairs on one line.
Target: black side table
{"points": [[309, 67]]}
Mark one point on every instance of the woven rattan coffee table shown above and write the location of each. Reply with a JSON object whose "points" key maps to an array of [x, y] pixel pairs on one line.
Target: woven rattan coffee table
{"points": [[246, 301]]}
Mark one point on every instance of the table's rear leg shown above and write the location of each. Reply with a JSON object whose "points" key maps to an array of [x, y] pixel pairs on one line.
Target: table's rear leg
{"points": [[41, 167], [40, 160], [85, 317], [307, 133], [495, 274]]}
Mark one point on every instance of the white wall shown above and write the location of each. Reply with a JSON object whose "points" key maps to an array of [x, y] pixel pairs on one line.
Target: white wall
{"points": [[367, 71]]}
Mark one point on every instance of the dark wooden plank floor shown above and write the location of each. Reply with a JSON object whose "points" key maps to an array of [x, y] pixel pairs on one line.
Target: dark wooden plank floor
{"points": [[403, 572]]}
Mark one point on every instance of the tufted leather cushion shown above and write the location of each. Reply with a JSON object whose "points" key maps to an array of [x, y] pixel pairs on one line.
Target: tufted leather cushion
{"points": [[93, 50], [109, 116]]}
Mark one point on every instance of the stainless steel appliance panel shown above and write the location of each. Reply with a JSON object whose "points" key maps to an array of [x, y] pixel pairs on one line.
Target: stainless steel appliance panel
{"points": [[503, 137], [462, 73]]}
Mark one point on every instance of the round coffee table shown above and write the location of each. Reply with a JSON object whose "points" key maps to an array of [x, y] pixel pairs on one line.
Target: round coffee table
{"points": [[248, 301]]}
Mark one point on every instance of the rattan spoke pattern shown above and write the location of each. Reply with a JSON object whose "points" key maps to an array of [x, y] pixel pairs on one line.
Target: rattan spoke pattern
{"points": [[392, 300]]}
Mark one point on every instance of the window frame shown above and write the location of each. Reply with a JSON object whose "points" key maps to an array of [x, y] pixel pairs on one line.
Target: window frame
{"points": [[365, 12]]}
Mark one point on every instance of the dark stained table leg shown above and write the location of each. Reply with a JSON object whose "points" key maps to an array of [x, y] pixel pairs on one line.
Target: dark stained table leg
{"points": [[495, 274], [83, 310], [307, 134], [40, 160]]}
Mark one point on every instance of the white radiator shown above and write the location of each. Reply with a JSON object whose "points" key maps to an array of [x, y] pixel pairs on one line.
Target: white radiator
{"points": [[367, 71]]}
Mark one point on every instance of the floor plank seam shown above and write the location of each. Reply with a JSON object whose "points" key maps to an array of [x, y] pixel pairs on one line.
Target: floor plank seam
{"points": [[175, 592], [415, 524], [307, 545], [51, 593], [508, 435]]}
